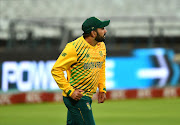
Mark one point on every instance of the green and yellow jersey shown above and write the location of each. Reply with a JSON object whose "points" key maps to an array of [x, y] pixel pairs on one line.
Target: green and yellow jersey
{"points": [[85, 67]]}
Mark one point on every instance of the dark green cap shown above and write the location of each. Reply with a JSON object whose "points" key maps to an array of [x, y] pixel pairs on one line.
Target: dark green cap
{"points": [[93, 23]]}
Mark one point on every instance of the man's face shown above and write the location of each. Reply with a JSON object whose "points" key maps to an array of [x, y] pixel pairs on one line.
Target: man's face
{"points": [[101, 32]]}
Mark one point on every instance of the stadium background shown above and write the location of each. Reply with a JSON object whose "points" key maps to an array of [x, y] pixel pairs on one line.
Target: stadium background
{"points": [[143, 59]]}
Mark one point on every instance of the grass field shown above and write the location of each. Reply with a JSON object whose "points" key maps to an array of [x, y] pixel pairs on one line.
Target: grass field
{"points": [[123, 112]]}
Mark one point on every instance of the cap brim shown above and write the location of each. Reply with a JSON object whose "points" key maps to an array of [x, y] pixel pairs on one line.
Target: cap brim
{"points": [[104, 24]]}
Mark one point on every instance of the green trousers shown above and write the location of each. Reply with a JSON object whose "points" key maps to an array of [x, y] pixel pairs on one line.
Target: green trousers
{"points": [[79, 112]]}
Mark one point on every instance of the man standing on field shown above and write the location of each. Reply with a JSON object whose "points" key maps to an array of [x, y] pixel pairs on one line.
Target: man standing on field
{"points": [[84, 61]]}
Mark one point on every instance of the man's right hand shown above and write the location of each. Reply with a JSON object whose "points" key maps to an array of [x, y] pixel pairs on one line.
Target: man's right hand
{"points": [[77, 94]]}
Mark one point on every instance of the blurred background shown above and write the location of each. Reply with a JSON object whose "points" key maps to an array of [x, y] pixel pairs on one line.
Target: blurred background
{"points": [[143, 41], [143, 44]]}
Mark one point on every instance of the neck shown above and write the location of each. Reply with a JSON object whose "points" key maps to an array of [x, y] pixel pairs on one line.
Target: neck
{"points": [[91, 41]]}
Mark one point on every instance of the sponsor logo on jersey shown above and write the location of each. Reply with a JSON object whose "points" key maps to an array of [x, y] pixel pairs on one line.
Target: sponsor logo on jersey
{"points": [[93, 65]]}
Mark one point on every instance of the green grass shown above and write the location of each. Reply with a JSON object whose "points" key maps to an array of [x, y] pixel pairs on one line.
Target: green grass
{"points": [[123, 112]]}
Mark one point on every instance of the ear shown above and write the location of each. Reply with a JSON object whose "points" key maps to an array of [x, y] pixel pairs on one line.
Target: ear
{"points": [[93, 34]]}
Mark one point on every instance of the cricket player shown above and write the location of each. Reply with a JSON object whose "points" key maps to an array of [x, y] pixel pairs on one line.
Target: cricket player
{"points": [[84, 61]]}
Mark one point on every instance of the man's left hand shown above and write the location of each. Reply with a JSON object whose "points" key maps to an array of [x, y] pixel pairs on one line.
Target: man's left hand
{"points": [[101, 97]]}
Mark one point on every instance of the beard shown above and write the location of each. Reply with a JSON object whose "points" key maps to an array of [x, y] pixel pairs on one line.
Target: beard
{"points": [[100, 38]]}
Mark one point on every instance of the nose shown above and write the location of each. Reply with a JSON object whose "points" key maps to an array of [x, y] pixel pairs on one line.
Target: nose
{"points": [[105, 30]]}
